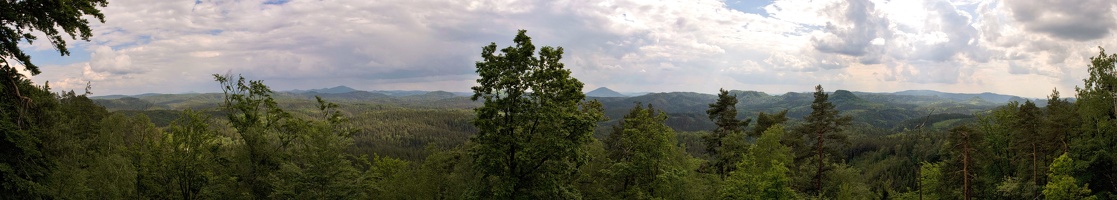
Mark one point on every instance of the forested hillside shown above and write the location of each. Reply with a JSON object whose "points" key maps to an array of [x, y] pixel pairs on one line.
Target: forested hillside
{"points": [[528, 131]]}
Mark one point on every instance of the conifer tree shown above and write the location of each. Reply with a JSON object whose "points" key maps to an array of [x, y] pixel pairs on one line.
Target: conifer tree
{"points": [[725, 144]]}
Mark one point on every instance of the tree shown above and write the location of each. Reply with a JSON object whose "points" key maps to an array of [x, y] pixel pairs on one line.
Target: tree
{"points": [[646, 161], [727, 142], [1097, 108], [19, 19], [964, 140], [762, 173], [824, 128], [1027, 140], [1060, 123], [532, 125], [1063, 186], [319, 168], [24, 107], [190, 155], [263, 128], [765, 121]]}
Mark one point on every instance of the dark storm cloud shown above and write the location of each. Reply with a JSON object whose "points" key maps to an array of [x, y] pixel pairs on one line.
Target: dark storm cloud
{"points": [[1075, 20]]}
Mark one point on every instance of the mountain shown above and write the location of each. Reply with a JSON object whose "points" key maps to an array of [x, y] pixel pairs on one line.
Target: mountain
{"points": [[987, 96], [604, 92], [399, 93], [686, 110], [334, 90]]}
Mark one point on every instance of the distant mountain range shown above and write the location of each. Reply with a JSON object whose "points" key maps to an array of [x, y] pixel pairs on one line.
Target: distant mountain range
{"points": [[345, 89], [896, 110], [604, 92], [333, 90], [987, 96]]}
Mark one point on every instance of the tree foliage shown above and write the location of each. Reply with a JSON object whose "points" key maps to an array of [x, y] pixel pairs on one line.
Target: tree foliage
{"points": [[762, 173], [726, 143], [646, 163], [53, 18], [818, 140], [1063, 186], [26, 110], [1097, 107], [532, 125]]}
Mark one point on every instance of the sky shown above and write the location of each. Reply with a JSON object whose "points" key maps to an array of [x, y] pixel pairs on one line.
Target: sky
{"points": [[1025, 48]]}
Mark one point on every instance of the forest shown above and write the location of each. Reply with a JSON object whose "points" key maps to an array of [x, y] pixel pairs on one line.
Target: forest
{"points": [[527, 131]]}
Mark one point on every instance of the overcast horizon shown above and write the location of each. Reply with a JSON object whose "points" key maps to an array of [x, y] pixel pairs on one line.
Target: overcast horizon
{"points": [[1022, 48]]}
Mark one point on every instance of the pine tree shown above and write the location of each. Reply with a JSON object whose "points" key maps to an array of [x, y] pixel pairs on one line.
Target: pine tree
{"points": [[726, 143], [823, 129]]}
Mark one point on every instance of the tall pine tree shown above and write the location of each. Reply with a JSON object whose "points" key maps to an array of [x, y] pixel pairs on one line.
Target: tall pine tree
{"points": [[727, 142], [822, 133]]}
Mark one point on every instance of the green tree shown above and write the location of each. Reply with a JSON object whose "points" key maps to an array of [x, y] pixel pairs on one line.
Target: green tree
{"points": [[823, 132], [646, 162], [726, 143], [264, 130], [19, 19], [533, 124], [1026, 142], [961, 166], [318, 167], [764, 121], [1097, 108], [24, 107], [191, 153], [1063, 186], [1060, 124], [762, 173], [87, 159]]}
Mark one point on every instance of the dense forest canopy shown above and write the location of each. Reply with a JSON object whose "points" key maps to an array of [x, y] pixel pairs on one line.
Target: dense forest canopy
{"points": [[527, 131]]}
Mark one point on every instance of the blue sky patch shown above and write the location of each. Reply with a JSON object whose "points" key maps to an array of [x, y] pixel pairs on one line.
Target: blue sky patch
{"points": [[749, 6], [276, 2]]}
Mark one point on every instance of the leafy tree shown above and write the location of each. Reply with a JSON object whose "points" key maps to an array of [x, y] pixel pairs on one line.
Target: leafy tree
{"points": [[726, 143], [822, 131], [646, 161], [265, 131], [1097, 108], [24, 107], [190, 152], [319, 168], [442, 175], [533, 124], [762, 173], [930, 181], [1063, 186], [87, 162], [50, 17]]}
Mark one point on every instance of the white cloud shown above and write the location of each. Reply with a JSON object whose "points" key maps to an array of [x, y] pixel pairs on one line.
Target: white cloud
{"points": [[628, 45]]}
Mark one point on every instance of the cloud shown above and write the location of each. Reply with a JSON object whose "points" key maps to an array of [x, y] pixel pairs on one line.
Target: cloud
{"points": [[1079, 20], [857, 24], [106, 60], [628, 45]]}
